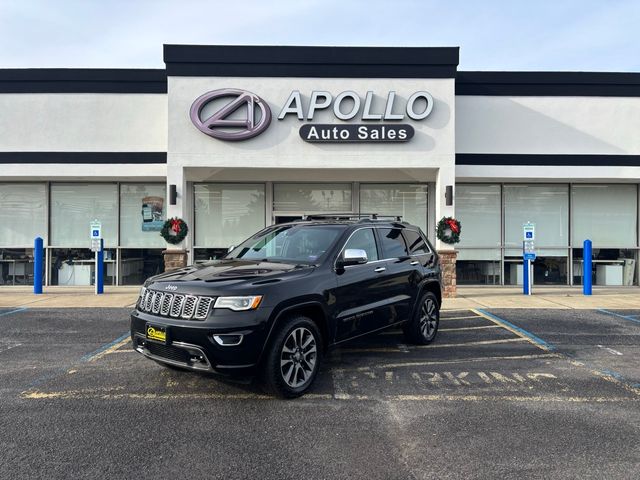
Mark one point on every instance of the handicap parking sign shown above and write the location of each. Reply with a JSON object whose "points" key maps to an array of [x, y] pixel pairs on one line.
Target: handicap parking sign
{"points": [[529, 231], [95, 229]]}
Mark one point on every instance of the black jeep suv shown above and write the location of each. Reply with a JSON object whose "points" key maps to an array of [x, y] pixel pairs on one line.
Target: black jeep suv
{"points": [[274, 304]]}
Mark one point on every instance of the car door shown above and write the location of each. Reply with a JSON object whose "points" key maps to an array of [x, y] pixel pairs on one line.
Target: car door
{"points": [[360, 293], [402, 277]]}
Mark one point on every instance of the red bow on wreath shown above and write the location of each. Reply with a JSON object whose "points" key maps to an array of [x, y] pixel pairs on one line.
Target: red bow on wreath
{"points": [[453, 225], [175, 225]]}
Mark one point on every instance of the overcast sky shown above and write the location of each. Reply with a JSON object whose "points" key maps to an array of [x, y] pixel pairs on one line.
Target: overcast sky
{"points": [[493, 34]]}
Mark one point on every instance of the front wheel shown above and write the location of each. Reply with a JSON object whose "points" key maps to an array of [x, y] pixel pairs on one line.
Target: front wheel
{"points": [[423, 327], [292, 363]]}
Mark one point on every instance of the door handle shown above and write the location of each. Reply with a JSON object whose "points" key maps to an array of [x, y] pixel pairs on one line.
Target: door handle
{"points": [[415, 262], [380, 269]]}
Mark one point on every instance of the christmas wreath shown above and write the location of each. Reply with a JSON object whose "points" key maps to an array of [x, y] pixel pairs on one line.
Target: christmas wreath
{"points": [[174, 230], [448, 230]]}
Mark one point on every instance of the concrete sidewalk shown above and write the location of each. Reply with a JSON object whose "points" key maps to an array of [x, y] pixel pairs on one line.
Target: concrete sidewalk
{"points": [[545, 297], [65, 297], [468, 297]]}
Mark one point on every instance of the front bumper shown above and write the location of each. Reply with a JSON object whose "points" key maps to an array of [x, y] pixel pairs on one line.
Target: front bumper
{"points": [[196, 345]]}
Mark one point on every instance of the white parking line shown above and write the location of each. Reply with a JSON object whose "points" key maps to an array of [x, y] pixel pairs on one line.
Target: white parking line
{"points": [[468, 328], [433, 345], [460, 318], [610, 350]]}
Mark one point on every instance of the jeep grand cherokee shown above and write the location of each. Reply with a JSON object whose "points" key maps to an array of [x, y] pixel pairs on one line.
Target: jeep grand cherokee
{"points": [[273, 305]]}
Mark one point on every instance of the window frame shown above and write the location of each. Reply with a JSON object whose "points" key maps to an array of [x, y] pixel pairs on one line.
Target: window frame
{"points": [[421, 235], [384, 252], [342, 248]]}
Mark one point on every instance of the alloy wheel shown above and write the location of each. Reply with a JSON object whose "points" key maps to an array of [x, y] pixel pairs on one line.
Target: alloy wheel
{"points": [[298, 357], [428, 318]]}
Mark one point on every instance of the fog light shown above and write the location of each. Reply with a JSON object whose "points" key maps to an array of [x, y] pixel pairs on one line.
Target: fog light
{"points": [[228, 340]]}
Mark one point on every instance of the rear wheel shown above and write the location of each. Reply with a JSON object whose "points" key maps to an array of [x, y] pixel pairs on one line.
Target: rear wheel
{"points": [[423, 327], [292, 363]]}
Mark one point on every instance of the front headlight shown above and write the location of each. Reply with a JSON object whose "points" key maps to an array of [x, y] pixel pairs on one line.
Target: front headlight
{"points": [[238, 304], [142, 293]]}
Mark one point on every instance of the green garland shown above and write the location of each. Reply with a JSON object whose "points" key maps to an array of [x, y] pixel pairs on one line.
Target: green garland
{"points": [[174, 230], [448, 230]]}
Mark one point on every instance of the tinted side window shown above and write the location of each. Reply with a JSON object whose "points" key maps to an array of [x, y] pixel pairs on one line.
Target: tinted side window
{"points": [[392, 243], [415, 242], [364, 240]]}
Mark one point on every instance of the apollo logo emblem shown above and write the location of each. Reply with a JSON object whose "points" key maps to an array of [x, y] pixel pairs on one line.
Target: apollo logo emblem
{"points": [[219, 125]]}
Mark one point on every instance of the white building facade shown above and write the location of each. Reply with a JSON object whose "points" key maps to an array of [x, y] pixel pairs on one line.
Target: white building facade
{"points": [[232, 139]]}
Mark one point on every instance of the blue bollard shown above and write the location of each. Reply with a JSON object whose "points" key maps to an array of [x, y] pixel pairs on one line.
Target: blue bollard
{"points": [[587, 267], [525, 277], [100, 269], [38, 255]]}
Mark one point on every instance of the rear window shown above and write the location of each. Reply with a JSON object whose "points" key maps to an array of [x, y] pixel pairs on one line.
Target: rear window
{"points": [[415, 242], [393, 244]]}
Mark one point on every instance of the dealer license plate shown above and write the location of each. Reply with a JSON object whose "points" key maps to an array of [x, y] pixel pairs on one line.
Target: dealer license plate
{"points": [[158, 334]]}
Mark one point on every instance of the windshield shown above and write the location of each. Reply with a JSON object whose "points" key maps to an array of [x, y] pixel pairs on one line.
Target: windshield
{"points": [[290, 243]]}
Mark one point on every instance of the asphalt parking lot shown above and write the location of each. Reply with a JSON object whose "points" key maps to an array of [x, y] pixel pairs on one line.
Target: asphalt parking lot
{"points": [[501, 393]]}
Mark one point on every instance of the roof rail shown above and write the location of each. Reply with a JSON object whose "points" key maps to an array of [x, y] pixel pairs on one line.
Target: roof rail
{"points": [[361, 217]]}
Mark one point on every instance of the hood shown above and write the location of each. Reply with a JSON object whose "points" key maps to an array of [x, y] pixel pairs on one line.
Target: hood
{"points": [[228, 272]]}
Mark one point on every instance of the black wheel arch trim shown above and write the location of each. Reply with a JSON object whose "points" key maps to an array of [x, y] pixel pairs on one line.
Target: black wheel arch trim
{"points": [[428, 285], [280, 313]]}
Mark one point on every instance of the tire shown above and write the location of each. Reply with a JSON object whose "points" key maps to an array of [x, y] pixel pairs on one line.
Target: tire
{"points": [[293, 359], [422, 329]]}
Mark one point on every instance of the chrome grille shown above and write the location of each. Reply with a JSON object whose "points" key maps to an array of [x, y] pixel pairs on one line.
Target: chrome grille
{"points": [[176, 306], [157, 302], [202, 310], [147, 301], [189, 306], [143, 293], [166, 304]]}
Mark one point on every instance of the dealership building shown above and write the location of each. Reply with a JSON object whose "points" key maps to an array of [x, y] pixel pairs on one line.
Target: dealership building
{"points": [[234, 138]]}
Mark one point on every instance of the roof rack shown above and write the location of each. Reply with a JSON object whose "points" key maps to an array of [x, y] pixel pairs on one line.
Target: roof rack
{"points": [[361, 217]]}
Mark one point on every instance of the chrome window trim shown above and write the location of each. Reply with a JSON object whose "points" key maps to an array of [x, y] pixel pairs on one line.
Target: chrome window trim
{"points": [[379, 227]]}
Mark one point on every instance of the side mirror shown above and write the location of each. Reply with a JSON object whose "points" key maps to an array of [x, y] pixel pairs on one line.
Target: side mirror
{"points": [[231, 247], [353, 256]]}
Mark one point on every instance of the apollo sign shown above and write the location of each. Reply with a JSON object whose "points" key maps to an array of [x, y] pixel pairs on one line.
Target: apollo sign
{"points": [[219, 125], [243, 115]]}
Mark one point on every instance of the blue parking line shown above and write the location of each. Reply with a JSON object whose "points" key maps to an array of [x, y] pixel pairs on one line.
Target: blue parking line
{"points": [[58, 372], [15, 310], [535, 339], [609, 373], [104, 347], [631, 318]]}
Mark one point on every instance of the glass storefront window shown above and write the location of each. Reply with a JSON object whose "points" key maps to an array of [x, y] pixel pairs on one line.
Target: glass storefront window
{"points": [[76, 266], [138, 264], [22, 213], [312, 197], [549, 268], [226, 214], [16, 266], [75, 205], [203, 255], [610, 266], [547, 206], [410, 201], [605, 214], [478, 266], [142, 214], [478, 209]]}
